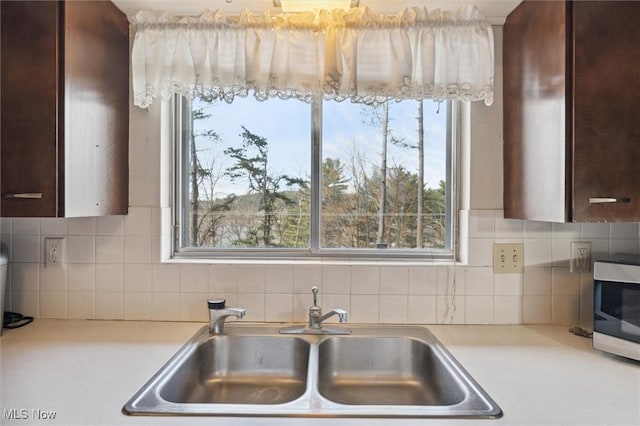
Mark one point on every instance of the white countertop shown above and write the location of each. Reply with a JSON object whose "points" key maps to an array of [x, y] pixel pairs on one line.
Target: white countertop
{"points": [[85, 371]]}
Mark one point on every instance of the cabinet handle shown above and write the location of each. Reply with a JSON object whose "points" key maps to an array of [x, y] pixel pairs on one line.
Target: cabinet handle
{"points": [[23, 195], [603, 200]]}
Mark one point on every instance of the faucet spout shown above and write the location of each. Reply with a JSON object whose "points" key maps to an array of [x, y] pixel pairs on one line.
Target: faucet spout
{"points": [[218, 314], [341, 313], [316, 319]]}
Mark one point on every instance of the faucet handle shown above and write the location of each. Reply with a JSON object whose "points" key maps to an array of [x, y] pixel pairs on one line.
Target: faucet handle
{"points": [[315, 291]]}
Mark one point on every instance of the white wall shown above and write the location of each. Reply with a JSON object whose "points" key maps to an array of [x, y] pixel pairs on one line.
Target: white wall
{"points": [[114, 271]]}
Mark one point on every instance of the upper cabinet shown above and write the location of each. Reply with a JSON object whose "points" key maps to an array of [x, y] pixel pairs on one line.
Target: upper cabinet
{"points": [[64, 109], [571, 111]]}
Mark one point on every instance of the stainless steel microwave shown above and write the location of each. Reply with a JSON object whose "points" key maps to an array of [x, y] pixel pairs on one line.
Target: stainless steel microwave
{"points": [[616, 319]]}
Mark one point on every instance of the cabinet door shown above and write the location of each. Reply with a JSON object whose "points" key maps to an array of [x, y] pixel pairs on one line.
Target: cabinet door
{"points": [[606, 160], [536, 136], [96, 113], [29, 104]]}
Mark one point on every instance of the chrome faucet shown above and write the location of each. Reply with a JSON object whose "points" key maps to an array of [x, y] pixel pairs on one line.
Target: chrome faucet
{"points": [[316, 319], [315, 313], [218, 313]]}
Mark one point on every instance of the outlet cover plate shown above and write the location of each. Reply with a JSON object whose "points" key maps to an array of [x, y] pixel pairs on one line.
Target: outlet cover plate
{"points": [[580, 257], [508, 258], [54, 252]]}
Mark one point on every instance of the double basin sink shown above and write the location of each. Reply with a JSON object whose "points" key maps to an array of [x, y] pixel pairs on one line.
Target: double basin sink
{"points": [[376, 371]]}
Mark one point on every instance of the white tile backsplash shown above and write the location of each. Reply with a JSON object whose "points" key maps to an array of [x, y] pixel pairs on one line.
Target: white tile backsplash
{"points": [[25, 226], [421, 309], [596, 230], [364, 308], [109, 278], [394, 309], [25, 248], [137, 278], [565, 309], [564, 283], [394, 280], [26, 302], [53, 226], [81, 305], [109, 305], [192, 307], [480, 282], [165, 306], [537, 252], [537, 281], [508, 310], [279, 279], [336, 279], [509, 284], [138, 221], [53, 304], [25, 276], [222, 279], [137, 249], [479, 309], [451, 309], [166, 278], [137, 306], [109, 249], [110, 225], [81, 226], [536, 309], [110, 274], [278, 307], [251, 279], [305, 277], [365, 280], [569, 231], [81, 277], [54, 278], [194, 278], [254, 305], [81, 249], [423, 280]]}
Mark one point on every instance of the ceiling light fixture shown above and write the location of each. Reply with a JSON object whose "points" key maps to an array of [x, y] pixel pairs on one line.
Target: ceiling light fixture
{"points": [[310, 5]]}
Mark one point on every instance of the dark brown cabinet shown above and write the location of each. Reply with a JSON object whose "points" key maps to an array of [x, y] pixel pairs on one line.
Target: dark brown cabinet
{"points": [[64, 109], [571, 111]]}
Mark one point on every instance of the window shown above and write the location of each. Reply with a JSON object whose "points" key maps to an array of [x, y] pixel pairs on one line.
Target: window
{"points": [[286, 178]]}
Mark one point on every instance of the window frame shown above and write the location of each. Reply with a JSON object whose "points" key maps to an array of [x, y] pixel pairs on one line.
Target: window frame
{"points": [[180, 209]]}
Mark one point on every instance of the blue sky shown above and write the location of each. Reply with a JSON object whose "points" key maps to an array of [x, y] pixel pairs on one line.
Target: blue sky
{"points": [[286, 125]]}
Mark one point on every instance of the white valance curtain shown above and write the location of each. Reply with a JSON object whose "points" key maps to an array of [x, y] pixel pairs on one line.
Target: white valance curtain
{"points": [[355, 54]]}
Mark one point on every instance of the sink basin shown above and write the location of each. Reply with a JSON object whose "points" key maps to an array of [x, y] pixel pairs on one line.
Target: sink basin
{"points": [[252, 370], [240, 370], [385, 371]]}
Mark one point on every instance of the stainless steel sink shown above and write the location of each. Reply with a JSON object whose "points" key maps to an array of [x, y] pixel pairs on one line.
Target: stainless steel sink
{"points": [[382, 371], [241, 370], [385, 371]]}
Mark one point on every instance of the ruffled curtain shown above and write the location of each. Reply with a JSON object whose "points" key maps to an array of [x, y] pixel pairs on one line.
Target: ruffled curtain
{"points": [[357, 54]]}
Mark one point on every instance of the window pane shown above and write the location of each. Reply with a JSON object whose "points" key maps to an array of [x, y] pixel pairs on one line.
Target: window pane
{"points": [[246, 173], [371, 192]]}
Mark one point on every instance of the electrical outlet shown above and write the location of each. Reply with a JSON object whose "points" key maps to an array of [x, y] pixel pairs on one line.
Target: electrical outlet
{"points": [[54, 253], [508, 258], [580, 260]]}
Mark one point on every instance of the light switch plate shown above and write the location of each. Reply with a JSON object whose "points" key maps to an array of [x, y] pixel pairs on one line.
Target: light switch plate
{"points": [[508, 258]]}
